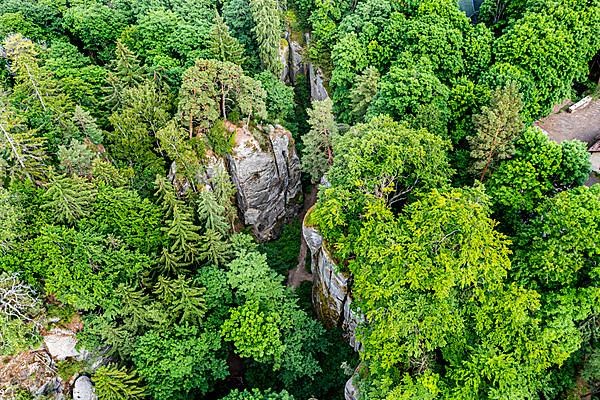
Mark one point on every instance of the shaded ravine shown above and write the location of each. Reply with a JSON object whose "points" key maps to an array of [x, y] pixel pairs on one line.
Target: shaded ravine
{"points": [[299, 274]]}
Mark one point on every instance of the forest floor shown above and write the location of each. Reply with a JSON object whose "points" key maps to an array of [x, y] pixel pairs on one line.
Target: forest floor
{"points": [[299, 274], [582, 124]]}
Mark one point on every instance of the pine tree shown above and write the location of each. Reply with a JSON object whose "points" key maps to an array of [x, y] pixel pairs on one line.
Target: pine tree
{"points": [[267, 27], [318, 153], [224, 192], [497, 126], [22, 154], [69, 198], [223, 46]]}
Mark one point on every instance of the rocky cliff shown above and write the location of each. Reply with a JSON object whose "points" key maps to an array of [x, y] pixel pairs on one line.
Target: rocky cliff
{"points": [[265, 169], [331, 288]]}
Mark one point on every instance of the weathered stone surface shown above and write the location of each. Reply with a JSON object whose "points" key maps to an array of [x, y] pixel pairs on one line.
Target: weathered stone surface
{"points": [[265, 169], [317, 88], [284, 57], [296, 63], [350, 391], [61, 343], [83, 389], [331, 288]]}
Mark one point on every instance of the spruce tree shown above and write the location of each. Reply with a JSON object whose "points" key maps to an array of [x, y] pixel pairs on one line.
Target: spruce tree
{"points": [[114, 383], [125, 72], [318, 153], [497, 126], [36, 93], [22, 154], [267, 27], [363, 92], [214, 248], [68, 198], [211, 213], [183, 301], [223, 46]]}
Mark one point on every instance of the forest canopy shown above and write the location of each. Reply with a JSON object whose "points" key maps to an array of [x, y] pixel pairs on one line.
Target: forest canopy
{"points": [[404, 130]]}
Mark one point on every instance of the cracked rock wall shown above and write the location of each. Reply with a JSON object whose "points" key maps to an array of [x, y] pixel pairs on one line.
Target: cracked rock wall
{"points": [[331, 292]]}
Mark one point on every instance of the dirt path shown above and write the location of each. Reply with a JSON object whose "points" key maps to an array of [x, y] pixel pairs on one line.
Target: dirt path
{"points": [[299, 274]]}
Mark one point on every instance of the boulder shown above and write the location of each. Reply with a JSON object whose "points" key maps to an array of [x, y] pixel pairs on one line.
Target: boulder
{"points": [[265, 170], [83, 389], [61, 343]]}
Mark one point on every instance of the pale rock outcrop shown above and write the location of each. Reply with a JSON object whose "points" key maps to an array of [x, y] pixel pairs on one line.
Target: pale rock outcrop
{"points": [[61, 343], [265, 170], [83, 389], [317, 86], [284, 57], [296, 62], [331, 288], [350, 390]]}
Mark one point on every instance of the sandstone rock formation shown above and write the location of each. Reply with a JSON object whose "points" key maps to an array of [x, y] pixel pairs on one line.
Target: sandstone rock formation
{"points": [[265, 169], [83, 389], [331, 288]]}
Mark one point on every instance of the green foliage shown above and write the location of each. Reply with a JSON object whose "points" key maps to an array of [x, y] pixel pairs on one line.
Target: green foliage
{"points": [[113, 383], [280, 98], [211, 213], [282, 254], [210, 89], [96, 25], [67, 369], [225, 47], [69, 198], [22, 154], [256, 394], [177, 361], [76, 159], [122, 213], [363, 92], [538, 169], [556, 249], [267, 28], [79, 269], [496, 128], [12, 216], [184, 302], [318, 153]]}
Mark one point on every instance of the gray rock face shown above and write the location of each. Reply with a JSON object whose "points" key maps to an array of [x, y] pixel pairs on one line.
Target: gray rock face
{"points": [[265, 169], [83, 389], [331, 289], [284, 57], [317, 88], [61, 344], [350, 391], [297, 66]]}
